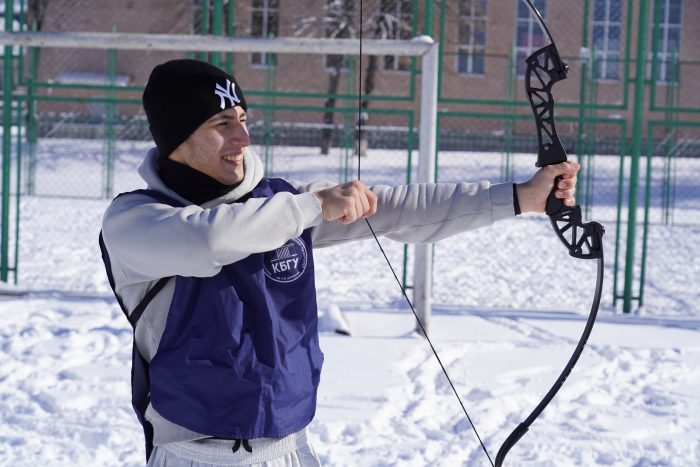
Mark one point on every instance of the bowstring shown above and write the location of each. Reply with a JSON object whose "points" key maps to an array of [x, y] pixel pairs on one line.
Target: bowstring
{"points": [[388, 262]]}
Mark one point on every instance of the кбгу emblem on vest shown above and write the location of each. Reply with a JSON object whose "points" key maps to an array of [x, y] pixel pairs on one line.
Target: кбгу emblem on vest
{"points": [[286, 263]]}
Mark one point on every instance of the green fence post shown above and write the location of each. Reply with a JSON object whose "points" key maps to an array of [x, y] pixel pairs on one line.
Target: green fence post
{"points": [[204, 25], [32, 130], [230, 31], [18, 187], [217, 29], [647, 205], [586, 74], [580, 145], [511, 81], [6, 146], [348, 123], [655, 40], [409, 176], [427, 17], [671, 140], [268, 117], [591, 124], [191, 55], [636, 153], [618, 216], [110, 115]]}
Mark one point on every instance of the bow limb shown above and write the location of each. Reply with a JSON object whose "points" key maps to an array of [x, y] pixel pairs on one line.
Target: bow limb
{"points": [[543, 69]]}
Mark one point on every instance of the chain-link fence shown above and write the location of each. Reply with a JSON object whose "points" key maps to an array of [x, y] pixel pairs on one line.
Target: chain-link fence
{"points": [[81, 133]]}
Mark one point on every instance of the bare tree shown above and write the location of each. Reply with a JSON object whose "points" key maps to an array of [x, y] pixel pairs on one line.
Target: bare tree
{"points": [[338, 21], [384, 26], [36, 10]]}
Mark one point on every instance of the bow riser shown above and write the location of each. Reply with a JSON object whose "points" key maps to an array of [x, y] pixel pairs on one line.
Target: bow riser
{"points": [[544, 69]]}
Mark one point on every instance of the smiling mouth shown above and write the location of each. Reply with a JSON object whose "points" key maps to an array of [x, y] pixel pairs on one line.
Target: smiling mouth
{"points": [[233, 159]]}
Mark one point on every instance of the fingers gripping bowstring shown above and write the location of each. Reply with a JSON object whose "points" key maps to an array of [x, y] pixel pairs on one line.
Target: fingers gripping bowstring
{"points": [[386, 258]]}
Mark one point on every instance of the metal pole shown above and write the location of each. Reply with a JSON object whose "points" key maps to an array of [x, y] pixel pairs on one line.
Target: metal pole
{"points": [[32, 132], [6, 146], [647, 203], [627, 80], [587, 73], [655, 42], [184, 42], [230, 32], [618, 216], [637, 124], [580, 144], [18, 192], [268, 117], [427, 17], [590, 135], [507, 174], [422, 285], [217, 28], [204, 24], [110, 108], [409, 178]]}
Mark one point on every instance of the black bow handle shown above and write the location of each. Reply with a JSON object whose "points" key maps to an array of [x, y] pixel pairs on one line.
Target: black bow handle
{"points": [[545, 68]]}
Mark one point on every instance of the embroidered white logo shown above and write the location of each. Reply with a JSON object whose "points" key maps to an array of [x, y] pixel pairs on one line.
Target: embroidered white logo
{"points": [[223, 93], [288, 262]]}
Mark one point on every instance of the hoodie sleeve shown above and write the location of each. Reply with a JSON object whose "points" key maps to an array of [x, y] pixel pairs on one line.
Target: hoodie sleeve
{"points": [[147, 240], [425, 213]]}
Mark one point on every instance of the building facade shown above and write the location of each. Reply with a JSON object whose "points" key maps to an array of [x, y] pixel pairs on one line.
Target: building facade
{"points": [[483, 47]]}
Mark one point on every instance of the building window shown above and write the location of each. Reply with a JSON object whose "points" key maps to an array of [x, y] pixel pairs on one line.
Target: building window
{"points": [[396, 20], [338, 20], [529, 36], [264, 23], [668, 39], [607, 38], [471, 36]]}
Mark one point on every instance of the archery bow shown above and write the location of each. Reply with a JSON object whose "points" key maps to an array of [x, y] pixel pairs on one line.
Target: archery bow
{"points": [[544, 68]]}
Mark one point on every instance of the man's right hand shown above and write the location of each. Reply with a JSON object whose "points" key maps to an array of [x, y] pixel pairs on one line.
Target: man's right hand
{"points": [[347, 202]]}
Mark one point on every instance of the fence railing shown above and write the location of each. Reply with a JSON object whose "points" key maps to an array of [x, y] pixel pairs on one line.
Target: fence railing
{"points": [[628, 114]]}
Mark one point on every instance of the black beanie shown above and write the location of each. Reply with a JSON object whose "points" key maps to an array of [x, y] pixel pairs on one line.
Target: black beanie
{"points": [[181, 95]]}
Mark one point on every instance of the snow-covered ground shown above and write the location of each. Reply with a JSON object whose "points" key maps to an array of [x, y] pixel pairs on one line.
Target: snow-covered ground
{"points": [[509, 308]]}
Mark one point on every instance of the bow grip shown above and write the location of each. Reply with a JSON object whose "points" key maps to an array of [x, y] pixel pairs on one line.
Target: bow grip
{"points": [[554, 205]]}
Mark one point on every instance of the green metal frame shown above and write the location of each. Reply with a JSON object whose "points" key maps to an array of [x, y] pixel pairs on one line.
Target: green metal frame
{"points": [[218, 18], [637, 128], [110, 117], [12, 66], [655, 83], [7, 101], [511, 83], [647, 192]]}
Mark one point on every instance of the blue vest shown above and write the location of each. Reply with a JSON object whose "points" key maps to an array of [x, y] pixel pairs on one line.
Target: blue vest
{"points": [[239, 356]]}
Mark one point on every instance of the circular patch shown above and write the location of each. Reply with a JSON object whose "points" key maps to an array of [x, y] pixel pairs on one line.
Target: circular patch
{"points": [[286, 263]]}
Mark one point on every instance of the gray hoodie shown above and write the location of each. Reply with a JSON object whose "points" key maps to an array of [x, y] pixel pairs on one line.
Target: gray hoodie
{"points": [[147, 240]]}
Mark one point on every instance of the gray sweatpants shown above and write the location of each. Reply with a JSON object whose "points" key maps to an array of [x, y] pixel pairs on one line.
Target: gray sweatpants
{"points": [[291, 451]]}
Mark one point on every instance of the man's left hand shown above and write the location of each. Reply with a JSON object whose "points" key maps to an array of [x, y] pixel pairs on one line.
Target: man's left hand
{"points": [[532, 195]]}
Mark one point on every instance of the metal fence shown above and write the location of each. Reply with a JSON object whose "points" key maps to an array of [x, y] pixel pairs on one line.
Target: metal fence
{"points": [[74, 128]]}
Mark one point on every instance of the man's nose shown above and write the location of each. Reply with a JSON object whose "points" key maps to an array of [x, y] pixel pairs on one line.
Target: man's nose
{"points": [[240, 135]]}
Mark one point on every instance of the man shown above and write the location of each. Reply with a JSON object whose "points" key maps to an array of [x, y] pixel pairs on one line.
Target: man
{"points": [[213, 265]]}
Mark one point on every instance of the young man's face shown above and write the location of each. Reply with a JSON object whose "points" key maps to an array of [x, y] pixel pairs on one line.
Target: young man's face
{"points": [[217, 147]]}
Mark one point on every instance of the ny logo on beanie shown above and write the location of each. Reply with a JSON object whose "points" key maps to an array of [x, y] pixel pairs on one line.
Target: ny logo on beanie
{"points": [[223, 93]]}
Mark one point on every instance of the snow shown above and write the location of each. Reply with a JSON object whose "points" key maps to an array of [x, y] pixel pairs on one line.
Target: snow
{"points": [[510, 306]]}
